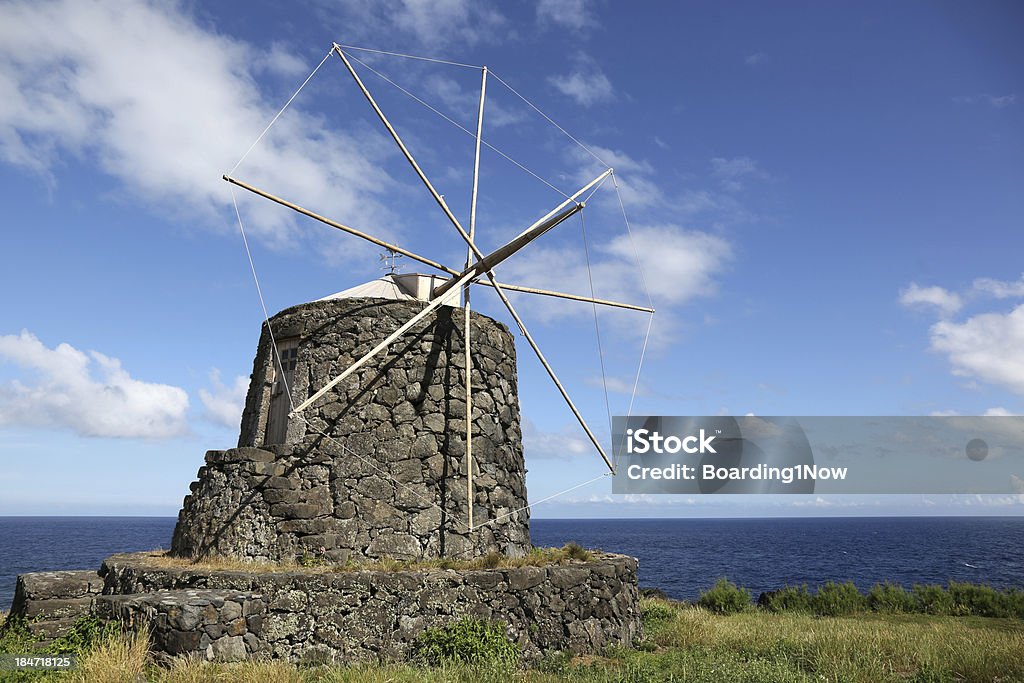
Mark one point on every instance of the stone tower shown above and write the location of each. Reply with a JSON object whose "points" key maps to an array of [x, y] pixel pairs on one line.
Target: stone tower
{"points": [[377, 467]]}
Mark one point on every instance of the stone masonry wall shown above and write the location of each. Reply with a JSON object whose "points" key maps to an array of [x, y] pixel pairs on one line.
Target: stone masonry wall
{"points": [[50, 602], [580, 608], [377, 467]]}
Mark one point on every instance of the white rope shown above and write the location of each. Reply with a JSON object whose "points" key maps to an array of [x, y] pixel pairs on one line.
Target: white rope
{"points": [[597, 327], [542, 500], [594, 191], [564, 131], [632, 242], [460, 126], [399, 54], [640, 365], [259, 290], [274, 120]]}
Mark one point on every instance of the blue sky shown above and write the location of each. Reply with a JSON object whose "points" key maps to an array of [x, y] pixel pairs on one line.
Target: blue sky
{"points": [[825, 198]]}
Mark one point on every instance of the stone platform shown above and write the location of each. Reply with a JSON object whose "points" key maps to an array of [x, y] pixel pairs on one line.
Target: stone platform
{"points": [[359, 615]]}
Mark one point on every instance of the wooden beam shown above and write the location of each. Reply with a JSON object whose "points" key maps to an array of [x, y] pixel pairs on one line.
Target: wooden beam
{"points": [[339, 226]]}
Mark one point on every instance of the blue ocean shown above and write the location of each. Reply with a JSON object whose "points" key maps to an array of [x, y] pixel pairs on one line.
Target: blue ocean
{"points": [[679, 556]]}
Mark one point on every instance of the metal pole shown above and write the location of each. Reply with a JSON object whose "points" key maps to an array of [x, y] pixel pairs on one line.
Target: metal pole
{"points": [[373, 352], [465, 295]]}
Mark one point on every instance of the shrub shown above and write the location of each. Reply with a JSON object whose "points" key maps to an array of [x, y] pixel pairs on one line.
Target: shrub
{"points": [[984, 601], [84, 635], [725, 597], [468, 641], [1015, 602], [933, 599], [654, 611], [15, 638], [836, 599], [576, 552], [891, 598], [788, 599]]}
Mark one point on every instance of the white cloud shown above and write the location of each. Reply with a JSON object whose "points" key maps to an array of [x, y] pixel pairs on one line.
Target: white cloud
{"points": [[678, 266], [999, 412], [572, 14], [585, 83], [566, 443], [430, 23], [616, 385], [987, 346], [731, 172], [994, 101], [166, 106], [945, 301], [1000, 289], [463, 105], [755, 59], [224, 403], [88, 393]]}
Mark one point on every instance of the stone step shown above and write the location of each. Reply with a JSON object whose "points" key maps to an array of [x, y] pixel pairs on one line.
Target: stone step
{"points": [[51, 602]]}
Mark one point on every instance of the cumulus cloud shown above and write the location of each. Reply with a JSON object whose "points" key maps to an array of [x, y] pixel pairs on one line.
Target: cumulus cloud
{"points": [[572, 14], [165, 106], [87, 393], [585, 83], [224, 403], [999, 412], [679, 266], [566, 443], [987, 346], [946, 302]]}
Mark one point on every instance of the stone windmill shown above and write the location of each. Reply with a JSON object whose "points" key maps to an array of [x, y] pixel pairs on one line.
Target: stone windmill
{"points": [[345, 454]]}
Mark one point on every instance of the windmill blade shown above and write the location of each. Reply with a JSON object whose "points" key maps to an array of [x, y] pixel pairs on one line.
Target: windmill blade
{"points": [[472, 246], [422, 259]]}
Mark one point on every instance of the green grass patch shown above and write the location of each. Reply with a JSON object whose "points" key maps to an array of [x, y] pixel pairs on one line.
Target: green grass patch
{"points": [[467, 641]]}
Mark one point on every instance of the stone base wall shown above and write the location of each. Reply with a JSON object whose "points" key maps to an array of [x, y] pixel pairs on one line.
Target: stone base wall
{"points": [[581, 608], [50, 602]]}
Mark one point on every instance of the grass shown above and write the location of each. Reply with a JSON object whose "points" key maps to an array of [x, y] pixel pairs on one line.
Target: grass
{"points": [[537, 557], [681, 643]]}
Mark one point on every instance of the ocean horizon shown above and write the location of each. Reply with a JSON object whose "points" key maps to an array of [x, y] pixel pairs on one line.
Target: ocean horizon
{"points": [[681, 556]]}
